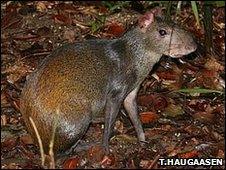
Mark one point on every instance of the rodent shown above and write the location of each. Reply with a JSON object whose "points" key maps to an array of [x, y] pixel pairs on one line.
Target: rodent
{"points": [[87, 79]]}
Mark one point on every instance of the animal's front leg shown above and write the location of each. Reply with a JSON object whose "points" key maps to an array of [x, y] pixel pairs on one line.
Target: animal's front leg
{"points": [[131, 107]]}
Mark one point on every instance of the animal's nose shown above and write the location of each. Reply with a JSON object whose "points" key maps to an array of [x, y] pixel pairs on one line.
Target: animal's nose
{"points": [[187, 47], [191, 47]]}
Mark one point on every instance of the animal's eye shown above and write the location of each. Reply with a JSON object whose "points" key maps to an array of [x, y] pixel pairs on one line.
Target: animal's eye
{"points": [[162, 32]]}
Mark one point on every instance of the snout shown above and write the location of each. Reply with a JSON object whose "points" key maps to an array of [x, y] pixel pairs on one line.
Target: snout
{"points": [[191, 44], [191, 47], [179, 50]]}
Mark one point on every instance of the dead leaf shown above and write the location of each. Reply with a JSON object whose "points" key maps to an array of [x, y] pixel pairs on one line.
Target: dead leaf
{"points": [[124, 138], [119, 126], [44, 31], [4, 99], [160, 102], [41, 6], [148, 117], [8, 144], [213, 64], [26, 37], [62, 19], [168, 75], [198, 104], [115, 29], [172, 150], [66, 7], [27, 9], [69, 35], [71, 163], [145, 163], [3, 120], [190, 154], [103, 10], [96, 153], [145, 100], [11, 20], [204, 117], [27, 139], [12, 7], [13, 165], [221, 154], [173, 110], [16, 71], [208, 79], [131, 164], [193, 130], [107, 161]]}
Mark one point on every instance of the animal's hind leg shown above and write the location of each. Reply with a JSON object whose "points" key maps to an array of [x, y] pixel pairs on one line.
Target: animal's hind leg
{"points": [[73, 135], [111, 111]]}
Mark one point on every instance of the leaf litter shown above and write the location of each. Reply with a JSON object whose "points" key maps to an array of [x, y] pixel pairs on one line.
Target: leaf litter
{"points": [[180, 105]]}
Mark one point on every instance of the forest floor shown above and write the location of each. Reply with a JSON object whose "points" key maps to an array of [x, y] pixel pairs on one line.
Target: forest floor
{"points": [[181, 103]]}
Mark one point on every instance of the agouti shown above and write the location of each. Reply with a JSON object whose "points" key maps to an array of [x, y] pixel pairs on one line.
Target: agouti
{"points": [[81, 81]]}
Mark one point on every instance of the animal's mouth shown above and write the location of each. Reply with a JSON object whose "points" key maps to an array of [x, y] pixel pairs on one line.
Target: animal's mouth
{"points": [[179, 51], [185, 52], [176, 55]]}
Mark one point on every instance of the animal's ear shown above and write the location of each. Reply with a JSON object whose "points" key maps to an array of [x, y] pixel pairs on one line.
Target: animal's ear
{"points": [[148, 18]]}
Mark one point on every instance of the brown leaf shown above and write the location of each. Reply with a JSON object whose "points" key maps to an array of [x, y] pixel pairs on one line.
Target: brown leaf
{"points": [[115, 29], [11, 20], [41, 6], [125, 138], [12, 165], [71, 163], [190, 154], [27, 9], [145, 100], [131, 164], [119, 126], [4, 99], [44, 31], [69, 35], [16, 105], [160, 102], [9, 144], [173, 110], [207, 79], [65, 7], [103, 9], [198, 104], [26, 37], [167, 75], [214, 65], [145, 163], [172, 150], [12, 7], [221, 154], [192, 130], [62, 19], [96, 153], [12, 99], [3, 120], [148, 164], [208, 73], [16, 71], [27, 139], [148, 117], [107, 161], [204, 117]]}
